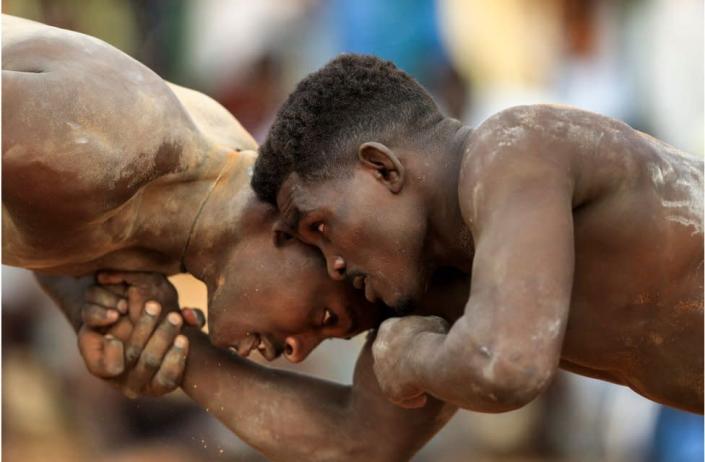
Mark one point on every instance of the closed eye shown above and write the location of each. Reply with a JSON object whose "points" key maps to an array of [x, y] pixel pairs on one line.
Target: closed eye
{"points": [[281, 238]]}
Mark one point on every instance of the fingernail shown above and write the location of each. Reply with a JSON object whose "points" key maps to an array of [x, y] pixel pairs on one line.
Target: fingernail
{"points": [[109, 337], [112, 315], [180, 342], [197, 316], [174, 318], [122, 306], [152, 308], [131, 354]]}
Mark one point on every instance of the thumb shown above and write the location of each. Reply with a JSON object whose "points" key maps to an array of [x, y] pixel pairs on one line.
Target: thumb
{"points": [[194, 317]]}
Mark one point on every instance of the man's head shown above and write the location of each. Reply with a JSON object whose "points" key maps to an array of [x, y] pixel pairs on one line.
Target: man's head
{"points": [[344, 162], [272, 293]]}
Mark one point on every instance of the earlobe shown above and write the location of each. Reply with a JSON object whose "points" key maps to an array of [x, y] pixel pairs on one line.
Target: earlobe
{"points": [[383, 163]]}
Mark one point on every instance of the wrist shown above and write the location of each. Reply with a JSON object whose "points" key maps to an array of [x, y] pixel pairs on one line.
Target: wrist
{"points": [[425, 358]]}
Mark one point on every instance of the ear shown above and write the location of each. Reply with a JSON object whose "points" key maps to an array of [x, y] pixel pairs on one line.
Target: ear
{"points": [[383, 164]]}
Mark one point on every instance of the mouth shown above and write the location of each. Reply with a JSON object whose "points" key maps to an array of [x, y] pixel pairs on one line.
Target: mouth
{"points": [[245, 346], [257, 342], [369, 293], [362, 282], [358, 281], [267, 350]]}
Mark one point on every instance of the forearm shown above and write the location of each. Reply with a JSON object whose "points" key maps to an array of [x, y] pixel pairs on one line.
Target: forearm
{"points": [[290, 416], [67, 292], [285, 415], [476, 371]]}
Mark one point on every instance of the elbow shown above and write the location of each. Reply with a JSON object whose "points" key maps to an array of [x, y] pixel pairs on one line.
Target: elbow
{"points": [[519, 388], [506, 383]]}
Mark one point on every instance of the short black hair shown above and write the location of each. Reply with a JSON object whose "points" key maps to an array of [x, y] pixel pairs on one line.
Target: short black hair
{"points": [[350, 97]]}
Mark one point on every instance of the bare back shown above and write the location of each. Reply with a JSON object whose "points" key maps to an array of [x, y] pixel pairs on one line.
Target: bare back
{"points": [[89, 133]]}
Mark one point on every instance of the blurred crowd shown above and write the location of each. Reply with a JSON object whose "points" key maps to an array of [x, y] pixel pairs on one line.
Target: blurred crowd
{"points": [[637, 60]]}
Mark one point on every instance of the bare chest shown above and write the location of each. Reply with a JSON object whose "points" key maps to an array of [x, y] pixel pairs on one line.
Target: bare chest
{"points": [[637, 299]]}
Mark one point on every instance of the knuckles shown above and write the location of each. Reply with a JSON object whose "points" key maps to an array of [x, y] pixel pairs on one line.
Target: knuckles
{"points": [[151, 361]]}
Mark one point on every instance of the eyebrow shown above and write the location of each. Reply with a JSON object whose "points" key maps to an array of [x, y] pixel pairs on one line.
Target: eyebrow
{"points": [[291, 213], [292, 216]]}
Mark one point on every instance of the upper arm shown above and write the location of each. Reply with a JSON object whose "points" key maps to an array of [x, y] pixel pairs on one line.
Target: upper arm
{"points": [[517, 199], [84, 125]]}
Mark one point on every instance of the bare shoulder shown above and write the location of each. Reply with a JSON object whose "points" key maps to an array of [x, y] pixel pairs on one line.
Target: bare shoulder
{"points": [[528, 143], [213, 120], [85, 126]]}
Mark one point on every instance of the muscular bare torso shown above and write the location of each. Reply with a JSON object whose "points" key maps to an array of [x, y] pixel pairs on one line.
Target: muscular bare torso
{"points": [[116, 178], [636, 314]]}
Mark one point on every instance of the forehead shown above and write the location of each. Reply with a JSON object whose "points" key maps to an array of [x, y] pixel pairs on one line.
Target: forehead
{"points": [[297, 197]]}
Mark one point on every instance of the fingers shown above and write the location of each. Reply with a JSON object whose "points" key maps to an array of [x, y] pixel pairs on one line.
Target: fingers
{"points": [[150, 360], [122, 329], [194, 317], [113, 356], [142, 331], [99, 295], [118, 289], [102, 306], [103, 355], [98, 316], [136, 300], [171, 371]]}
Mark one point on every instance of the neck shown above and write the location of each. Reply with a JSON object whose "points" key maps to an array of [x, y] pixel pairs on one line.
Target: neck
{"points": [[221, 222], [169, 208], [448, 242]]}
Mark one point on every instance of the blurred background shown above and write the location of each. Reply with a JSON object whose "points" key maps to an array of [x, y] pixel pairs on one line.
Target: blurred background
{"points": [[637, 60]]}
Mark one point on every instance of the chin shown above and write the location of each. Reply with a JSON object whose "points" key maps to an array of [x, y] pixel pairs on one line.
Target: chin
{"points": [[404, 306], [401, 304]]}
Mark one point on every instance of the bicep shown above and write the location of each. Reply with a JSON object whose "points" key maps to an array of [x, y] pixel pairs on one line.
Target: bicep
{"points": [[523, 264]]}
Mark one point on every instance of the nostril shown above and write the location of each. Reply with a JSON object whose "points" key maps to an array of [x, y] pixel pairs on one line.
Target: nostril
{"points": [[338, 268], [288, 349]]}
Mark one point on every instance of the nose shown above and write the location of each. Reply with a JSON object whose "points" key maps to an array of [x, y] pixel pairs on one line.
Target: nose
{"points": [[297, 348], [336, 267]]}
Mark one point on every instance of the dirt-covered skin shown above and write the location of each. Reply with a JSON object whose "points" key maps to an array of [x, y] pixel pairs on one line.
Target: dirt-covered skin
{"points": [[583, 239], [635, 314], [105, 166]]}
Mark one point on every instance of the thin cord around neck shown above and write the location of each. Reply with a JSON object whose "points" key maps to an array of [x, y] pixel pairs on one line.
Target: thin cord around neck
{"points": [[198, 214]]}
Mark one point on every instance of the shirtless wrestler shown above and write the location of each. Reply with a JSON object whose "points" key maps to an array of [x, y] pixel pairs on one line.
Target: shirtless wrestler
{"points": [[582, 237], [106, 166]]}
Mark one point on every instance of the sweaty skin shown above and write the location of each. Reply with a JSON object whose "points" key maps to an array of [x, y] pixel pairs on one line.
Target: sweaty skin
{"points": [[582, 237], [285, 415], [105, 165]]}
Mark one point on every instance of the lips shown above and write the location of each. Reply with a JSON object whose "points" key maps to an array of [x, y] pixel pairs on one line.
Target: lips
{"points": [[250, 342], [358, 282], [369, 293], [266, 349], [362, 282]]}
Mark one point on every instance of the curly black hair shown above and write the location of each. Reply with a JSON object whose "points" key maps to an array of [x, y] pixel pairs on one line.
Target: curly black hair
{"points": [[350, 98]]}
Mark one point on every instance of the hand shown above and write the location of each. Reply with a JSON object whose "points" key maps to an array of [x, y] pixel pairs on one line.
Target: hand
{"points": [[157, 357], [396, 359], [129, 292], [136, 288]]}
